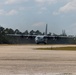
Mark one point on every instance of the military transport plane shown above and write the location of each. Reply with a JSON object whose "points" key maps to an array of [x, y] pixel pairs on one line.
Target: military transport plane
{"points": [[39, 38]]}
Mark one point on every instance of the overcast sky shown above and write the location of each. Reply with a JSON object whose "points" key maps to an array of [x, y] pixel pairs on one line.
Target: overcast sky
{"points": [[35, 14]]}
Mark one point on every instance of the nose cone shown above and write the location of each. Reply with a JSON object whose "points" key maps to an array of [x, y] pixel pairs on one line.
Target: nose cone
{"points": [[39, 39]]}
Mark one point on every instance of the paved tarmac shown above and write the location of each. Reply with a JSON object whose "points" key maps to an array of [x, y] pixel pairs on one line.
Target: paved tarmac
{"points": [[26, 60]]}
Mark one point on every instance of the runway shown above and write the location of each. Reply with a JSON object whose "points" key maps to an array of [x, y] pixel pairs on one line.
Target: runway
{"points": [[26, 60]]}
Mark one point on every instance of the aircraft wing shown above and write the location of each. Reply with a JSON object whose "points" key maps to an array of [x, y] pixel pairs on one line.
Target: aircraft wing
{"points": [[57, 37], [22, 35]]}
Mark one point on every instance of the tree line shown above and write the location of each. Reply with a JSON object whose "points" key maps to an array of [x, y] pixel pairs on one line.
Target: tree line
{"points": [[4, 31], [26, 32]]}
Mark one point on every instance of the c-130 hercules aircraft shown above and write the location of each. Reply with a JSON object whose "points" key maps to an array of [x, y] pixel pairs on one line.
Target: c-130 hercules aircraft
{"points": [[39, 38]]}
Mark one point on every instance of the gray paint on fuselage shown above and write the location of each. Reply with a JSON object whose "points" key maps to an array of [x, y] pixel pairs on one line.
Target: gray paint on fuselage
{"points": [[40, 39]]}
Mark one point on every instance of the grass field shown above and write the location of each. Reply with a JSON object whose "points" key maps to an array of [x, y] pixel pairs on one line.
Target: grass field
{"points": [[58, 48]]}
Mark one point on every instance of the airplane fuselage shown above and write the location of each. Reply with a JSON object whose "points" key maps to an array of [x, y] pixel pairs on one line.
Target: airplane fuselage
{"points": [[40, 39]]}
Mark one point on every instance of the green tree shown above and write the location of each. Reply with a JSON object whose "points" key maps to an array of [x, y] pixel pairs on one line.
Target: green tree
{"points": [[17, 31], [38, 32], [63, 33], [26, 32], [2, 30], [9, 31], [3, 38], [32, 32]]}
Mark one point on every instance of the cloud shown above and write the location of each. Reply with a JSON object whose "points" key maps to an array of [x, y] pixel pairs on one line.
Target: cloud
{"points": [[71, 29], [10, 12], [2, 12], [42, 2], [70, 6], [14, 1], [39, 24], [42, 9], [22, 8]]}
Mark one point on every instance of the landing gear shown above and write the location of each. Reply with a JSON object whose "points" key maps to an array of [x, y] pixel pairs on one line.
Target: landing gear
{"points": [[45, 43], [37, 43], [41, 43]]}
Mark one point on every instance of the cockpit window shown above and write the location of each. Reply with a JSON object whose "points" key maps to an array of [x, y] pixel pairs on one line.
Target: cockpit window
{"points": [[38, 37]]}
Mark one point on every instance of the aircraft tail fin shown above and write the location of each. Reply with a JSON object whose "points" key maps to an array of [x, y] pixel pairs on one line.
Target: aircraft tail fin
{"points": [[46, 30]]}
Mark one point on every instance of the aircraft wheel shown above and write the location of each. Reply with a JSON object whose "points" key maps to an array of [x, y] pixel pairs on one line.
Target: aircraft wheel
{"points": [[45, 43], [37, 43]]}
